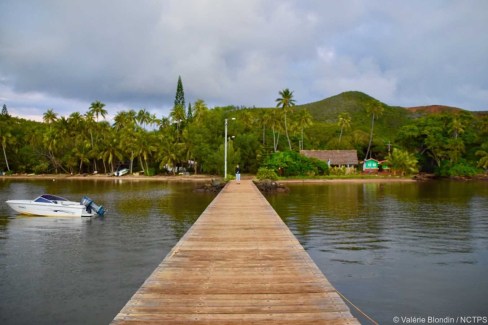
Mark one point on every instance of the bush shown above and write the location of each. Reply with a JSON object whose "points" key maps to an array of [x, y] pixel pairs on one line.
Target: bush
{"points": [[266, 173], [290, 163], [462, 168], [230, 177], [42, 168], [338, 171]]}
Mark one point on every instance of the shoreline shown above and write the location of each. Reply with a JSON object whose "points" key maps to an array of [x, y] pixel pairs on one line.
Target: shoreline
{"points": [[348, 180], [203, 178], [196, 178], [101, 177]]}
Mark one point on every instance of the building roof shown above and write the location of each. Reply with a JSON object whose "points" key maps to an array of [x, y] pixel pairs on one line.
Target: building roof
{"points": [[337, 157]]}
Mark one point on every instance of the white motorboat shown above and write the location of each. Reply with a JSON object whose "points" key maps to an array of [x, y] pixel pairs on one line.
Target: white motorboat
{"points": [[121, 172], [56, 206]]}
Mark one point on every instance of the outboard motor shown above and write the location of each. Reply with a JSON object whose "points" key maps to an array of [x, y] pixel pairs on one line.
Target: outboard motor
{"points": [[90, 205]]}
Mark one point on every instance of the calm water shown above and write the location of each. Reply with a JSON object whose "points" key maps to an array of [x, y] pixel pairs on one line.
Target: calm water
{"points": [[416, 249], [73, 271]]}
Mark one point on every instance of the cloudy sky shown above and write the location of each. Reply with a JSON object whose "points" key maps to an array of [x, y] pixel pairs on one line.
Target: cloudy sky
{"points": [[129, 53]]}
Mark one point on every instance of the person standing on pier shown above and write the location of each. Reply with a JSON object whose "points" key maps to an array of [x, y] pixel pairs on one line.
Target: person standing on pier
{"points": [[238, 174]]}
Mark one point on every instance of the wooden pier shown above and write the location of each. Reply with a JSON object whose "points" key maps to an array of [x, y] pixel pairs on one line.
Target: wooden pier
{"points": [[238, 264]]}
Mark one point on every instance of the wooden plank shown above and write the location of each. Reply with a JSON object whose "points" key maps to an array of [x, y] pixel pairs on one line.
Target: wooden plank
{"points": [[238, 263]]}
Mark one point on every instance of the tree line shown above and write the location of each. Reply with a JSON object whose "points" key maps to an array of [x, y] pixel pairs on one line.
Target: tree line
{"points": [[191, 138]]}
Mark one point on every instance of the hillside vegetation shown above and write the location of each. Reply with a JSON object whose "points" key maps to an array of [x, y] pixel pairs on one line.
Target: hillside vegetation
{"points": [[448, 141], [354, 103]]}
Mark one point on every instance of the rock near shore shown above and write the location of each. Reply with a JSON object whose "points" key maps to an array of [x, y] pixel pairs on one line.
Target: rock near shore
{"points": [[269, 186], [215, 186]]}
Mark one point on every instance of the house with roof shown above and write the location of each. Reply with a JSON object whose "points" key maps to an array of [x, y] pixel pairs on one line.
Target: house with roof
{"points": [[373, 166], [347, 158]]}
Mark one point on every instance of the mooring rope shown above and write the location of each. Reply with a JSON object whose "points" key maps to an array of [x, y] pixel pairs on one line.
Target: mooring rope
{"points": [[357, 308]]}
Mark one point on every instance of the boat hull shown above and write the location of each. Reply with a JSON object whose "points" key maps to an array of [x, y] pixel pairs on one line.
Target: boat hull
{"points": [[60, 209]]}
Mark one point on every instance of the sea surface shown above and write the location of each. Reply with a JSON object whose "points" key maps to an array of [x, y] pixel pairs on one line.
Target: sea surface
{"points": [[393, 249], [405, 250]]}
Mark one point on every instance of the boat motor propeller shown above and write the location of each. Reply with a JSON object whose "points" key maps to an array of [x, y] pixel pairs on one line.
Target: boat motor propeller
{"points": [[90, 205]]}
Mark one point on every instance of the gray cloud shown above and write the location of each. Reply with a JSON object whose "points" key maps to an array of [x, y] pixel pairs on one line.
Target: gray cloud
{"points": [[129, 54]]}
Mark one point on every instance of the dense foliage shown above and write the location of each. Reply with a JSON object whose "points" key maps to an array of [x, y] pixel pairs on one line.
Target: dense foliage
{"points": [[266, 173], [290, 163], [447, 143]]}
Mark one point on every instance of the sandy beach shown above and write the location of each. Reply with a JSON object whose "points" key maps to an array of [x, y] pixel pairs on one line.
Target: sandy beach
{"points": [[179, 178], [201, 178]]}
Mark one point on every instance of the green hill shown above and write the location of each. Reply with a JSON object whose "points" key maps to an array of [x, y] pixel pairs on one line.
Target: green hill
{"points": [[355, 103]]}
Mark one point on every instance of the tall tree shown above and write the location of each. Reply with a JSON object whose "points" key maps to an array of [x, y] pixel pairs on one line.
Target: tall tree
{"points": [[189, 114], [144, 118], [6, 137], [97, 109], [344, 123], [125, 124], [483, 154], [304, 121], [375, 109], [276, 127], [50, 116], [200, 110], [4, 110], [286, 101], [180, 94], [111, 149], [178, 114], [266, 119]]}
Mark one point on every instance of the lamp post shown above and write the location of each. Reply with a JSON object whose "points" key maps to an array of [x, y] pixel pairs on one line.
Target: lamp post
{"points": [[225, 148]]}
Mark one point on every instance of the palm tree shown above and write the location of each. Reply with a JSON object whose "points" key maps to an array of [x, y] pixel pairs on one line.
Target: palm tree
{"points": [[110, 144], [344, 123], [483, 154], [79, 143], [178, 113], [145, 148], [145, 118], [402, 162], [126, 127], [50, 117], [304, 120], [56, 141], [276, 127], [6, 138], [199, 110], [266, 120], [375, 109], [167, 154], [286, 101], [92, 127], [97, 109]]}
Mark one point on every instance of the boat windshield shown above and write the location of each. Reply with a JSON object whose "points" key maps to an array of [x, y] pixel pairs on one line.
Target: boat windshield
{"points": [[48, 198]]}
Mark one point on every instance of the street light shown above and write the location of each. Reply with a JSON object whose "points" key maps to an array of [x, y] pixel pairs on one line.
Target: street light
{"points": [[225, 148]]}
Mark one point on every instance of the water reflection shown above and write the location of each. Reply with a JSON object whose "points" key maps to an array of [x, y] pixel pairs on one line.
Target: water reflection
{"points": [[397, 248], [393, 249], [82, 271], [369, 216]]}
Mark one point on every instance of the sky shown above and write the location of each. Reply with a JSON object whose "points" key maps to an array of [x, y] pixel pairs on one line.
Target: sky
{"points": [[128, 54]]}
